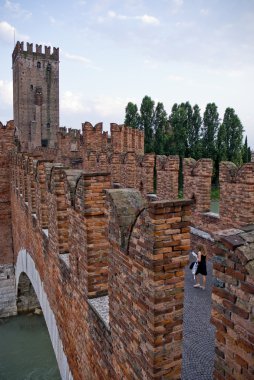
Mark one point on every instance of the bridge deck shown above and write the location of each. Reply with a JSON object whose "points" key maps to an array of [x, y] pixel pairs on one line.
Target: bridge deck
{"points": [[198, 340], [199, 334]]}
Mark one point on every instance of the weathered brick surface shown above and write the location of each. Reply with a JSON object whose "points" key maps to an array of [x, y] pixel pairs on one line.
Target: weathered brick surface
{"points": [[167, 171], [197, 182], [35, 95], [236, 194], [232, 308], [6, 145], [149, 252], [146, 269]]}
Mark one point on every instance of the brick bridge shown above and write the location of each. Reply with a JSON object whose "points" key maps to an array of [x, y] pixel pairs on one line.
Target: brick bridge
{"points": [[107, 264]]}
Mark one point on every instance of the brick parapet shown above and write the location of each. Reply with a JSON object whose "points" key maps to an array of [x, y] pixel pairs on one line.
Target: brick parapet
{"points": [[90, 198], [232, 306], [167, 172], [236, 194], [19, 50], [6, 146], [197, 182], [94, 139], [125, 139], [149, 251]]}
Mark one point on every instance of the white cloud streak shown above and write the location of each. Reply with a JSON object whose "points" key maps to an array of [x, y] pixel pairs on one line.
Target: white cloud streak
{"points": [[16, 10], [99, 107], [8, 32], [77, 58], [145, 19], [6, 92]]}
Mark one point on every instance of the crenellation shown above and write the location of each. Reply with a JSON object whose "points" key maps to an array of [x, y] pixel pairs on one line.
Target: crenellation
{"points": [[47, 51], [167, 173], [38, 49], [197, 182], [78, 206]]}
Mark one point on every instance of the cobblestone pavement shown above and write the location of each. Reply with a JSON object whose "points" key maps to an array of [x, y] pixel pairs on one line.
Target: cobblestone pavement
{"points": [[198, 333]]}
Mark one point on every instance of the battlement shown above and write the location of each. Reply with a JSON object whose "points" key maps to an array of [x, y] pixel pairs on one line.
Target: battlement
{"points": [[70, 132], [126, 139], [9, 125], [47, 54]]}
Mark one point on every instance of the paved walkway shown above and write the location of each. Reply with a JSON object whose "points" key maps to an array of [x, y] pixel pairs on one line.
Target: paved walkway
{"points": [[198, 339]]}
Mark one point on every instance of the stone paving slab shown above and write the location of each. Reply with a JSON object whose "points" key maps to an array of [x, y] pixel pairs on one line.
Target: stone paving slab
{"points": [[198, 333]]}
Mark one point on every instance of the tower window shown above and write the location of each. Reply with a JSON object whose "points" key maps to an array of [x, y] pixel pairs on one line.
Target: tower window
{"points": [[49, 67], [48, 125], [38, 65], [31, 87]]}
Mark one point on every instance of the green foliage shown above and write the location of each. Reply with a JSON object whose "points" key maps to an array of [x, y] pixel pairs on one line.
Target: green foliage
{"points": [[245, 153], [215, 193], [234, 136], [132, 118], [209, 131], [160, 128], [146, 122], [185, 133]]}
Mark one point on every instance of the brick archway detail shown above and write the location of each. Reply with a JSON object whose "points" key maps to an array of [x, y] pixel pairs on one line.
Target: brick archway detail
{"points": [[26, 264]]}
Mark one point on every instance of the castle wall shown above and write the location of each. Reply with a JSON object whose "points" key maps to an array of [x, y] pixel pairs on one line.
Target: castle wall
{"points": [[63, 225], [149, 252], [232, 306], [35, 95], [6, 144], [236, 194], [167, 171]]}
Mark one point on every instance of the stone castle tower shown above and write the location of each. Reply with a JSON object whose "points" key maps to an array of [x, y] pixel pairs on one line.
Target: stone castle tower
{"points": [[35, 95]]}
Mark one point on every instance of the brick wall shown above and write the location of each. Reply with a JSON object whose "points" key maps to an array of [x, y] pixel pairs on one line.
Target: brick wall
{"points": [[125, 139], [6, 145], [232, 306], [145, 289], [167, 171], [149, 251], [197, 182], [236, 194]]}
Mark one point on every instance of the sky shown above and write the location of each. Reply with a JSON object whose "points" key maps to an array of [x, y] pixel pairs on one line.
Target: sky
{"points": [[113, 52]]}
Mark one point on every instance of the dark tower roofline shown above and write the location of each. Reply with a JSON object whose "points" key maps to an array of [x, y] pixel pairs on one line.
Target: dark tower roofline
{"points": [[19, 49]]}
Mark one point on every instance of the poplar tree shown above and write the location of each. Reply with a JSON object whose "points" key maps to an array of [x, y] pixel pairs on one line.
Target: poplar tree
{"points": [[178, 121], [146, 122], [245, 153], [209, 131], [234, 136], [195, 134], [132, 118], [160, 128]]}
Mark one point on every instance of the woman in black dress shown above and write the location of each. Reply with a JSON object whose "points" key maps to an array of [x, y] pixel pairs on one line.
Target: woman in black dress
{"points": [[201, 267]]}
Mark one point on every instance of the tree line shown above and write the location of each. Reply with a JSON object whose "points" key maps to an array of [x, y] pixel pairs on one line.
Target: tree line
{"points": [[186, 133]]}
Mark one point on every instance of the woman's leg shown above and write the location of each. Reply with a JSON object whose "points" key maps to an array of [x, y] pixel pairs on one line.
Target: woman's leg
{"points": [[204, 282], [197, 282]]}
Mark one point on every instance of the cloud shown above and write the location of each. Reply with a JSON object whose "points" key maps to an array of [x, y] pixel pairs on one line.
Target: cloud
{"points": [[81, 59], [175, 78], [16, 10], [6, 92], [97, 108], [146, 19], [107, 106], [71, 102], [77, 58], [235, 73], [7, 33], [204, 12], [177, 5]]}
